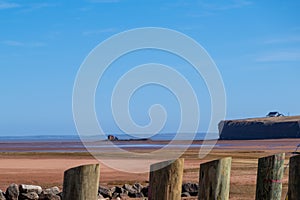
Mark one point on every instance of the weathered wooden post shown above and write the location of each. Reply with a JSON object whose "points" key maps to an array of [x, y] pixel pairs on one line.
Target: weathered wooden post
{"points": [[81, 183], [269, 177], [214, 179], [294, 178], [166, 180]]}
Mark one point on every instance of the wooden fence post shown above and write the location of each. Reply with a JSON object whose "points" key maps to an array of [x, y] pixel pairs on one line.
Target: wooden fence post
{"points": [[269, 177], [166, 180], [214, 179], [81, 183], [294, 178]]}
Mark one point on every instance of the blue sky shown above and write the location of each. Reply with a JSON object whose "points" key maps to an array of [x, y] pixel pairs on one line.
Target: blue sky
{"points": [[255, 44]]}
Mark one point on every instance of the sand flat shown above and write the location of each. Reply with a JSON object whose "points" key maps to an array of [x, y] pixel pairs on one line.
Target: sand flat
{"points": [[46, 169]]}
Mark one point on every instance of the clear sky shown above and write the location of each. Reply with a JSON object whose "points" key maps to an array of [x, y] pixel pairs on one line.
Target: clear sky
{"points": [[255, 44]]}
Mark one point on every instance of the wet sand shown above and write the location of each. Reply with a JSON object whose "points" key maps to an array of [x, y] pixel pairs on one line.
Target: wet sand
{"points": [[46, 169]]}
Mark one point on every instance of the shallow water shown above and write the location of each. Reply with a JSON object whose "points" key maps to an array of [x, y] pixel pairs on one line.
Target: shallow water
{"points": [[73, 143], [71, 146]]}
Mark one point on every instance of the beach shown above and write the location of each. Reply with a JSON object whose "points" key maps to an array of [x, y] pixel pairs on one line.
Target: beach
{"points": [[46, 168]]}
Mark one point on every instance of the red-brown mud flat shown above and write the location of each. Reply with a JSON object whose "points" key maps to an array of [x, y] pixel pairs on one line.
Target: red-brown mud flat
{"points": [[46, 168]]}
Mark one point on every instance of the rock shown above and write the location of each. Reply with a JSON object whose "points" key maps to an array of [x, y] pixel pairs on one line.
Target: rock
{"points": [[115, 195], [105, 192], [29, 196], [117, 191], [145, 191], [60, 195], [114, 189], [185, 194], [136, 195], [129, 188], [53, 190], [124, 196], [134, 191], [12, 192], [30, 188], [138, 187], [2, 196], [112, 138], [191, 188], [49, 196], [100, 197]]}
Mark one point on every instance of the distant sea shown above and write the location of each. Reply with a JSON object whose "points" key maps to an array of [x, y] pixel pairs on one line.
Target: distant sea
{"points": [[75, 138], [72, 143]]}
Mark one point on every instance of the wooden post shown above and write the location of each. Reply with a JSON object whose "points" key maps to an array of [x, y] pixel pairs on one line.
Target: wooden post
{"points": [[294, 178], [81, 183], [269, 177], [166, 180], [214, 180]]}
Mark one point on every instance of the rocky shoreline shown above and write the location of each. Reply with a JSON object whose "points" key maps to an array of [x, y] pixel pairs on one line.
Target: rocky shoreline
{"points": [[127, 191], [30, 192]]}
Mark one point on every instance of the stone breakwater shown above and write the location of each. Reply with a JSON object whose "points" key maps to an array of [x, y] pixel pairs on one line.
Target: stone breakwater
{"points": [[137, 190], [260, 128]]}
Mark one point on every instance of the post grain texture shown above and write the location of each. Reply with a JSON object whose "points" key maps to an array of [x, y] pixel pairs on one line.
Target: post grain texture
{"points": [[166, 180], [269, 177], [214, 180], [81, 183], [294, 178]]}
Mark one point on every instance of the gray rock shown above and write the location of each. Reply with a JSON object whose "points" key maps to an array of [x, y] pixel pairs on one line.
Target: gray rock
{"points": [[191, 188], [185, 194], [136, 195], [117, 191], [30, 188], [49, 196], [134, 191], [29, 196], [60, 195], [53, 190], [12, 192], [100, 197], [145, 191], [105, 192], [130, 188], [124, 196], [2, 196], [138, 187], [115, 195]]}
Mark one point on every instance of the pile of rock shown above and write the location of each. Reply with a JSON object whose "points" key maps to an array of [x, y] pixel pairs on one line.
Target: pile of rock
{"points": [[137, 190], [30, 192], [133, 191]]}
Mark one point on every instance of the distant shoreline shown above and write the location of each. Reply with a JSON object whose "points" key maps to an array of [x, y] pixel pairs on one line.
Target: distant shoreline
{"points": [[79, 147], [120, 136], [260, 128]]}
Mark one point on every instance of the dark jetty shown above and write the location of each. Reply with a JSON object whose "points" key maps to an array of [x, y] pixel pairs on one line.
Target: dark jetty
{"points": [[260, 128]]}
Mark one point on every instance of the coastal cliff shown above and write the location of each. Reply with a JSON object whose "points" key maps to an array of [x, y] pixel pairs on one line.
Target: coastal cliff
{"points": [[260, 128]]}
